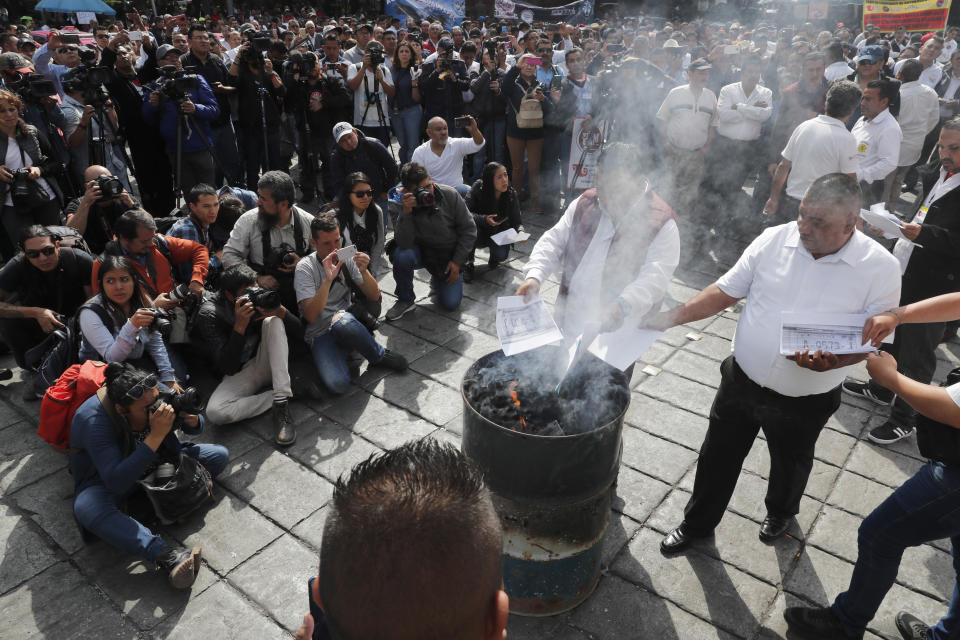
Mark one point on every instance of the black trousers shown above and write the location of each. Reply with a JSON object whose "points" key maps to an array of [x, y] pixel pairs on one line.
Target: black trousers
{"points": [[915, 348], [740, 410], [21, 335]]}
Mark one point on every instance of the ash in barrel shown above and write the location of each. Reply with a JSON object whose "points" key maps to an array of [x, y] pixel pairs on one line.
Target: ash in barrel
{"points": [[519, 392]]}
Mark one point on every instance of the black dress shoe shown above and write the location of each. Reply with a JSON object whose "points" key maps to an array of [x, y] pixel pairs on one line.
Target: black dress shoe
{"points": [[773, 527], [676, 541], [816, 623]]}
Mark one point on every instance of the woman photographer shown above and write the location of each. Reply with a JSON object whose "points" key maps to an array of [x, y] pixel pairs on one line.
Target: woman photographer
{"points": [[118, 324], [495, 207], [520, 83], [361, 219], [122, 439], [25, 198], [405, 109]]}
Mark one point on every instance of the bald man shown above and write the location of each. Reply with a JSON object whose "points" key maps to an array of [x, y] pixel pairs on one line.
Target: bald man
{"points": [[443, 156]]}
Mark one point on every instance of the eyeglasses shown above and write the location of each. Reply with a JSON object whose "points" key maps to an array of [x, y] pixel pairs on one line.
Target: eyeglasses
{"points": [[860, 62], [66, 49], [363, 194], [102, 35], [36, 253], [136, 391]]}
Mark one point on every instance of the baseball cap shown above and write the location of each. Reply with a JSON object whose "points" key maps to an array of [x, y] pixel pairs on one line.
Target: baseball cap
{"points": [[341, 129], [926, 37], [27, 42], [872, 53], [671, 44], [699, 64], [14, 62], [165, 50]]}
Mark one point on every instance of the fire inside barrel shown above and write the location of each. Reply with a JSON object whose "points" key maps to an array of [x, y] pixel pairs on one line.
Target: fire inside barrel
{"points": [[519, 393]]}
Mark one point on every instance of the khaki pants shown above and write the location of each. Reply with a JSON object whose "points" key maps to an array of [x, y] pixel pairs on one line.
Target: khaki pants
{"points": [[236, 397], [684, 172], [891, 186]]}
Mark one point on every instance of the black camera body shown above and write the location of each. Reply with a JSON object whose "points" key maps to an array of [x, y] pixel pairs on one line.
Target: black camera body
{"points": [[282, 256], [89, 80], [376, 52], [425, 197], [35, 87], [301, 63], [253, 55], [174, 85], [110, 187], [263, 298], [161, 322], [21, 185], [188, 402], [189, 301]]}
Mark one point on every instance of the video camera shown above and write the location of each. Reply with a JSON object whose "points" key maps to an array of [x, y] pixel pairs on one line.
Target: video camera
{"points": [[33, 87], [173, 84], [376, 52], [90, 81], [302, 63], [254, 54]]}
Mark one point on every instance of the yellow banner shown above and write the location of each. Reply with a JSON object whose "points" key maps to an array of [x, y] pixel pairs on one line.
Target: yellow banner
{"points": [[915, 15]]}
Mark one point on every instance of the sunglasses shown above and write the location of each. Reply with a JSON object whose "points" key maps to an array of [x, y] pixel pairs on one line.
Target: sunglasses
{"points": [[136, 391], [66, 49], [364, 194], [36, 253]]}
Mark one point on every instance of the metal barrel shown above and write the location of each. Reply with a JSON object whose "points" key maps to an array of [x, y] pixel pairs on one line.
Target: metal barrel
{"points": [[553, 495]]}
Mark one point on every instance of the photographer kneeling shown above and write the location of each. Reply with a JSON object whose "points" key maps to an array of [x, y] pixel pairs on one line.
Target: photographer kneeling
{"points": [[324, 287], [124, 433], [241, 331]]}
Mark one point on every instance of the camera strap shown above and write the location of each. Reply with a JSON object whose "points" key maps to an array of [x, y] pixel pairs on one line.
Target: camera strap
{"points": [[265, 237]]}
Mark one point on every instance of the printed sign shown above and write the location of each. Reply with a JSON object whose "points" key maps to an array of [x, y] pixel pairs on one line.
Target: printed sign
{"points": [[573, 13], [587, 140], [84, 17], [447, 12], [916, 15]]}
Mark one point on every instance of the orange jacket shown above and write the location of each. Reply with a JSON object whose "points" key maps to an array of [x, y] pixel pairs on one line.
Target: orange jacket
{"points": [[162, 281]]}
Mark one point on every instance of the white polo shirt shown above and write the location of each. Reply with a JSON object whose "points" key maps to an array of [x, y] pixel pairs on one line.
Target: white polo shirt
{"points": [[776, 273], [817, 147], [447, 168], [837, 71], [688, 119], [744, 122], [878, 146]]}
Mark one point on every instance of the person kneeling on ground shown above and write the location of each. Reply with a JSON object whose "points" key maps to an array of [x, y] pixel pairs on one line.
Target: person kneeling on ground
{"points": [[121, 439], [324, 284], [243, 330], [420, 520]]}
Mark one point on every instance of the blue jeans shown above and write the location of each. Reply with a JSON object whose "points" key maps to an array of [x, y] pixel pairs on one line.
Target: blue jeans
{"points": [[462, 189], [495, 150], [405, 261], [330, 351], [406, 125], [96, 509], [498, 252], [926, 507]]}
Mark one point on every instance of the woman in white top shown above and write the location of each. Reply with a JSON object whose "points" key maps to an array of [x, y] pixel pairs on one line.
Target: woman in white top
{"points": [[20, 149]]}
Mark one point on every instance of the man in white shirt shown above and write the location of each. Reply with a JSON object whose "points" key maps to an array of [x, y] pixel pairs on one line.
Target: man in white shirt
{"points": [[919, 115], [685, 118], [949, 45], [816, 147], [614, 252], [742, 109], [821, 264], [371, 86], [932, 73], [878, 140], [837, 67], [443, 156]]}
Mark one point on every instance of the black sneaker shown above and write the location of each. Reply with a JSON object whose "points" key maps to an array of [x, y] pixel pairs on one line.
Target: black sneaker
{"points": [[467, 272], [911, 627], [889, 432], [393, 360], [398, 310], [816, 623], [863, 390]]}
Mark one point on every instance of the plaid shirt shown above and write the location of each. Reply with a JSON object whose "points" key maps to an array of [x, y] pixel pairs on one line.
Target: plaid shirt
{"points": [[187, 229]]}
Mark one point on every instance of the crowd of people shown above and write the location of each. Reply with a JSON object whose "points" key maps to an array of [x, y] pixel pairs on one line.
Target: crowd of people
{"points": [[154, 184]]}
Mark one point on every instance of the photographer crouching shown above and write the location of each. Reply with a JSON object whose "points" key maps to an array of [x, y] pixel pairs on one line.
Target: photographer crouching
{"points": [[337, 327], [183, 105], [124, 434]]}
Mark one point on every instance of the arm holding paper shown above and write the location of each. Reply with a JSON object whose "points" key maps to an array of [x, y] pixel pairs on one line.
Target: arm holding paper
{"points": [[547, 255], [937, 309]]}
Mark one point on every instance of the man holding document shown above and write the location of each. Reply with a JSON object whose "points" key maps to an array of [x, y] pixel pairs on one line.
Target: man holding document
{"points": [[820, 264], [929, 257], [615, 252]]}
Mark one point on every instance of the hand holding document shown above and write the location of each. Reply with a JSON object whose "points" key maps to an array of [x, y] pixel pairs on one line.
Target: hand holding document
{"points": [[890, 225], [510, 236], [623, 347], [837, 333], [345, 255], [524, 326]]}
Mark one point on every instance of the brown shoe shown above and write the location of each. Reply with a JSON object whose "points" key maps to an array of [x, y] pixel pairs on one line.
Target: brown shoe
{"points": [[284, 433], [181, 564]]}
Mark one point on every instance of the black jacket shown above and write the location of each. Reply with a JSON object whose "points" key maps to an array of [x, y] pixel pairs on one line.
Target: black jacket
{"points": [[508, 209], [370, 157], [336, 101], [249, 99], [489, 105], [443, 98], [934, 268]]}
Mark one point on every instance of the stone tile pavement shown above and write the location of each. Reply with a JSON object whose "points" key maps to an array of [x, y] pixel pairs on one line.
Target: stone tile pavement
{"points": [[260, 539]]}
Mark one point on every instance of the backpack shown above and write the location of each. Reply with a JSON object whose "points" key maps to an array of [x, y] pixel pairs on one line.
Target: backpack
{"points": [[70, 238], [60, 350], [530, 113], [61, 401]]}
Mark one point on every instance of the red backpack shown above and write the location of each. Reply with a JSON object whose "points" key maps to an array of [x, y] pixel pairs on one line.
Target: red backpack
{"points": [[64, 397]]}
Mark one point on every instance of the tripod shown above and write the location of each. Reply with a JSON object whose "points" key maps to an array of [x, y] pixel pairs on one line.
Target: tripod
{"points": [[97, 145], [188, 119], [381, 118], [261, 92]]}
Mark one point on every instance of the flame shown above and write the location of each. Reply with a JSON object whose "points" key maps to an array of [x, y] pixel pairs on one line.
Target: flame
{"points": [[516, 402]]}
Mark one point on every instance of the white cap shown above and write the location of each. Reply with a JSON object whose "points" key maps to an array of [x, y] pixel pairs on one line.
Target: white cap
{"points": [[341, 129]]}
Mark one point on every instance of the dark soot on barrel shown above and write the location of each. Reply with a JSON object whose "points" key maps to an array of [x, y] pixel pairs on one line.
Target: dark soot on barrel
{"points": [[519, 392]]}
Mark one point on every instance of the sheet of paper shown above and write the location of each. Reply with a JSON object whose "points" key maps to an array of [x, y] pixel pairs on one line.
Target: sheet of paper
{"points": [[509, 236], [579, 347], [523, 326], [890, 225], [838, 333], [345, 255], [623, 347]]}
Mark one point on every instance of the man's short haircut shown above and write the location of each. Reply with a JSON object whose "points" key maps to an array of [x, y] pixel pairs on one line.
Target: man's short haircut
{"points": [[843, 97], [412, 174], [331, 37], [834, 50], [910, 70], [411, 548], [201, 189], [886, 88], [236, 277], [814, 57], [838, 190], [127, 225], [953, 124], [194, 28], [36, 231], [468, 45], [323, 223], [280, 185], [571, 51]]}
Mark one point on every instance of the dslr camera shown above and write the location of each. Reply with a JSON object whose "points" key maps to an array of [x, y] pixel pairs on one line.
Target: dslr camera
{"points": [[110, 187], [282, 256], [161, 322], [21, 183], [302, 63], [376, 53], [173, 85], [188, 402], [263, 298], [425, 197]]}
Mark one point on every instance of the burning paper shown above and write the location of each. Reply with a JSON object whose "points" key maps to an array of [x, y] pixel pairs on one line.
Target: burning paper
{"points": [[523, 326]]}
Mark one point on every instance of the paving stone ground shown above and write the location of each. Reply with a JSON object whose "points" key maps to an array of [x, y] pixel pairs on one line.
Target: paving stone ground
{"points": [[261, 537]]}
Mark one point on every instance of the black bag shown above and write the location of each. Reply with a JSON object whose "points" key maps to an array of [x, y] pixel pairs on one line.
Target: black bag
{"points": [[59, 350], [70, 238], [938, 441], [34, 194], [190, 487]]}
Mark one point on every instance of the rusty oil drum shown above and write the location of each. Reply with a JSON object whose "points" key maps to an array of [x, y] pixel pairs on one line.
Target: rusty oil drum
{"points": [[553, 495]]}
